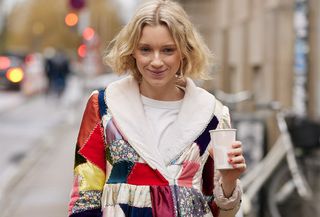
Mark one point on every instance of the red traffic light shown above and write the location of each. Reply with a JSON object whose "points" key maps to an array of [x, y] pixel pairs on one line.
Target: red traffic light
{"points": [[77, 4]]}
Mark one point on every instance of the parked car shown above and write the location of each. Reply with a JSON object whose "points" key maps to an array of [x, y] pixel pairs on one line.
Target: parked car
{"points": [[11, 71]]}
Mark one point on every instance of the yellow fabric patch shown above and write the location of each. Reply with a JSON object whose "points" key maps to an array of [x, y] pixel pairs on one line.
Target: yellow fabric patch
{"points": [[90, 176]]}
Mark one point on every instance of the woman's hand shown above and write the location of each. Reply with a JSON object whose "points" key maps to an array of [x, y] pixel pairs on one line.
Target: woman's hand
{"points": [[229, 177]]}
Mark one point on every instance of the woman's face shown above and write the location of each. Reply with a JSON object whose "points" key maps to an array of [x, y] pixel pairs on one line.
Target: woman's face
{"points": [[157, 57]]}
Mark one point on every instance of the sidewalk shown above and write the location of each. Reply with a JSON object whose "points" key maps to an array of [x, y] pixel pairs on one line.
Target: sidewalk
{"points": [[43, 185], [10, 100], [45, 188]]}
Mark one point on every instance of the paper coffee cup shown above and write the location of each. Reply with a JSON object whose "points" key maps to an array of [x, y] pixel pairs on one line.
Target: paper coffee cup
{"points": [[222, 140]]}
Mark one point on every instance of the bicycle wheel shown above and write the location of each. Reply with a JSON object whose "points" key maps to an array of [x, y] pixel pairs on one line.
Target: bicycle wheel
{"points": [[282, 197]]}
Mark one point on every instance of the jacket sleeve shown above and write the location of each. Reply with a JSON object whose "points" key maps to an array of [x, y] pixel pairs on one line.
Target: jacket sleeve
{"points": [[228, 207], [90, 164]]}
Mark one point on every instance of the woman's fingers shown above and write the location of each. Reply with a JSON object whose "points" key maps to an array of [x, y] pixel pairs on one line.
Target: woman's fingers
{"points": [[242, 166], [235, 152], [237, 144], [236, 149], [236, 157], [237, 160]]}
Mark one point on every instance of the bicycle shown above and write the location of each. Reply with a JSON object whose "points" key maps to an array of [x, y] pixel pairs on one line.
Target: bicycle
{"points": [[280, 185], [305, 143]]}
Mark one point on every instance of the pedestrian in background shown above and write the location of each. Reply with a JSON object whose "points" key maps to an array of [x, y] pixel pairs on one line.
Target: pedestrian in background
{"points": [[143, 146], [57, 71]]}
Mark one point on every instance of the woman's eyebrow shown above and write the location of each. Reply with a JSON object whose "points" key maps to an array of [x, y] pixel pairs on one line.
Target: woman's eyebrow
{"points": [[165, 45]]}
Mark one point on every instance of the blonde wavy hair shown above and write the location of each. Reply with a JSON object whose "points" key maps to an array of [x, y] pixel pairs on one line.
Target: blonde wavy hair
{"points": [[196, 56]]}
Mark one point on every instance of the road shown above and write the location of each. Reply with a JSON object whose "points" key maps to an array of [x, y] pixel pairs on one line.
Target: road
{"points": [[37, 150]]}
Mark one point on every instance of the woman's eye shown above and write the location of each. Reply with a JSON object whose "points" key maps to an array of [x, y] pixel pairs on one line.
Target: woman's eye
{"points": [[168, 50], [144, 49]]}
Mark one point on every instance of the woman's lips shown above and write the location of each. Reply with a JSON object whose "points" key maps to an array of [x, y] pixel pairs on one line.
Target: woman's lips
{"points": [[157, 73]]}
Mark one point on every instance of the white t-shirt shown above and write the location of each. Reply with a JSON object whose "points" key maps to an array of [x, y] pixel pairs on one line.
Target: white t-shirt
{"points": [[161, 115]]}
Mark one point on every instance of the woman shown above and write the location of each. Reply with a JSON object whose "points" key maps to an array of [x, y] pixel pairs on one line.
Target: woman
{"points": [[143, 146]]}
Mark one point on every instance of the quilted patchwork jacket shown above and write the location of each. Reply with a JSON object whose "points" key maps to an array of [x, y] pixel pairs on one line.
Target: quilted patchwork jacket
{"points": [[118, 171]]}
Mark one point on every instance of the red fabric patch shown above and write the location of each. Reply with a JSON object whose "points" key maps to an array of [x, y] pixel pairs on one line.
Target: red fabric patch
{"points": [[74, 194], [93, 150], [207, 177], [208, 184], [143, 174], [90, 119], [162, 202], [189, 169], [214, 209]]}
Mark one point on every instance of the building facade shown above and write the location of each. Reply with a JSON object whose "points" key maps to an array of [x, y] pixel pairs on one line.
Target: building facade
{"points": [[255, 47]]}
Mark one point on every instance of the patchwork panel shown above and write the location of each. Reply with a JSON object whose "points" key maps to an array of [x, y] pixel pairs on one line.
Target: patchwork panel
{"points": [[121, 150], [102, 104], [115, 211], [204, 139], [189, 169], [90, 119], [214, 208], [79, 159], [137, 196], [74, 194], [162, 201], [106, 118], [94, 149], [120, 172], [143, 174], [174, 199], [191, 203], [207, 177], [131, 211], [111, 132], [87, 200], [89, 177], [108, 156]]}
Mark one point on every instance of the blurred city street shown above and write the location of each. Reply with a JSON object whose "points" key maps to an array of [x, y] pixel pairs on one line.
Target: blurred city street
{"points": [[266, 66]]}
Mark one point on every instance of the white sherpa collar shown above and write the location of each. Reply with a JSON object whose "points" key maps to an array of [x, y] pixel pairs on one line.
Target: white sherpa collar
{"points": [[124, 101]]}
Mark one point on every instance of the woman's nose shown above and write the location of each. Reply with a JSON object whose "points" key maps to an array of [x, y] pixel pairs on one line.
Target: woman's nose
{"points": [[156, 60]]}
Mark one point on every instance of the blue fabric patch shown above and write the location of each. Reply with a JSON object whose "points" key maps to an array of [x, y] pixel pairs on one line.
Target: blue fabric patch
{"points": [[131, 211], [204, 139], [88, 213], [120, 172], [102, 103]]}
